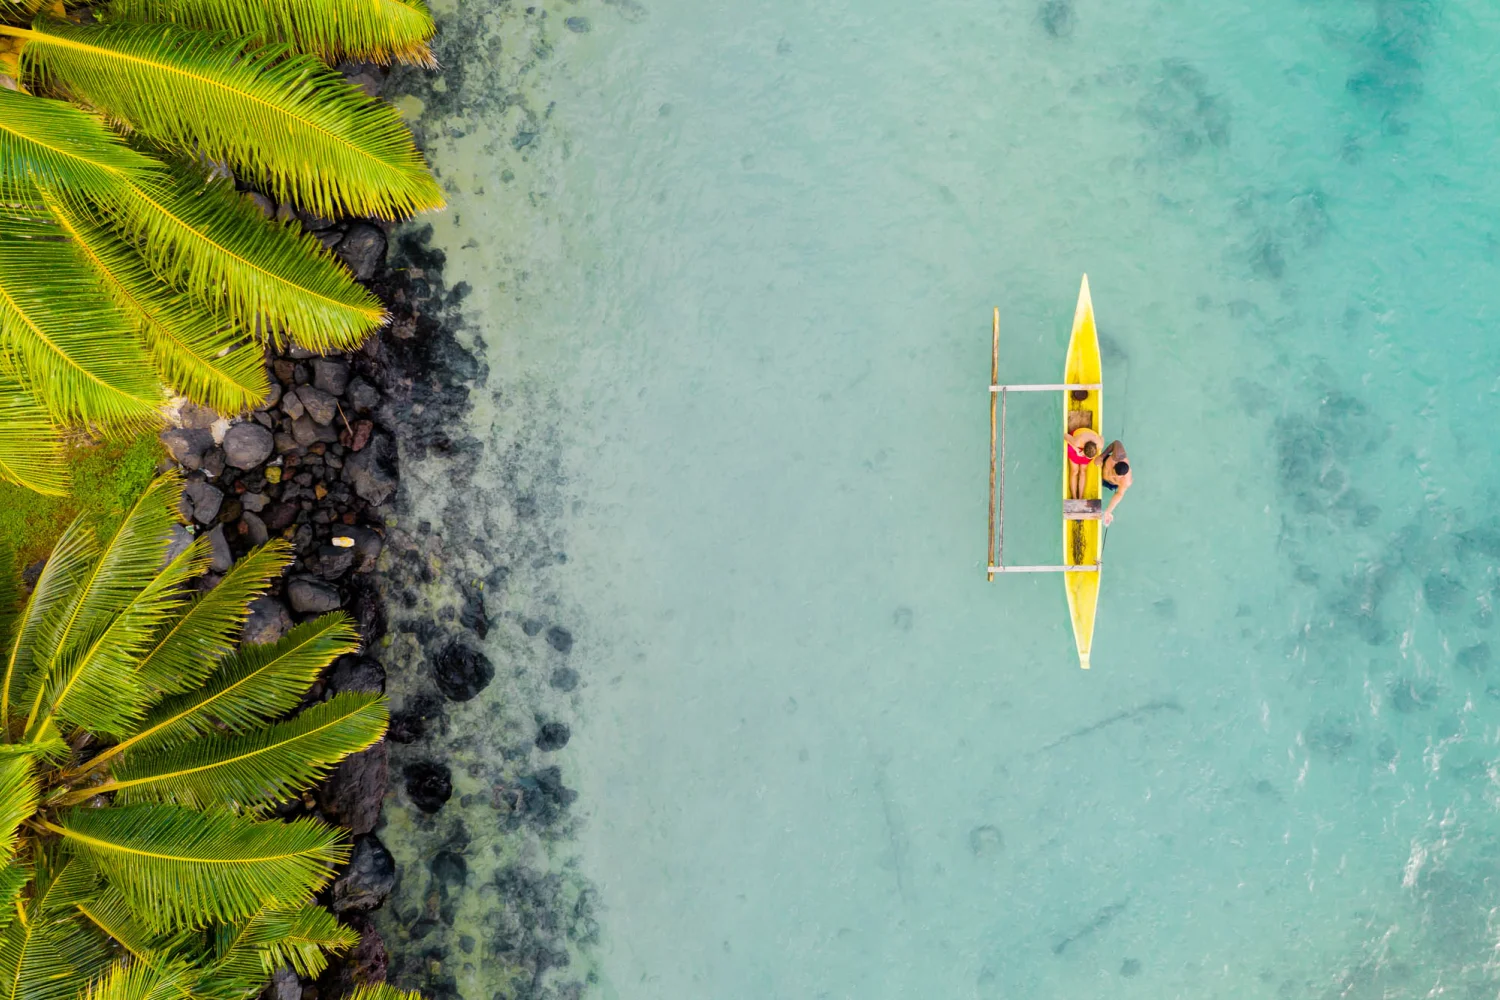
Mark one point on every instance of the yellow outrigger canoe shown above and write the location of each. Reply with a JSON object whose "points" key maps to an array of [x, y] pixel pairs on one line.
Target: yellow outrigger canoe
{"points": [[1083, 406]]}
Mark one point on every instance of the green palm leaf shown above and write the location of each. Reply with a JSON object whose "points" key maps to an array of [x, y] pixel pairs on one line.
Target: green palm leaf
{"points": [[45, 612], [47, 955], [202, 235], [252, 769], [94, 685], [126, 562], [62, 882], [180, 868], [110, 912], [110, 618], [18, 795], [47, 960], [381, 991], [80, 358], [218, 247], [285, 122], [256, 684], [31, 449], [13, 878], [55, 145], [378, 30], [141, 981], [187, 649], [199, 353], [299, 938]]}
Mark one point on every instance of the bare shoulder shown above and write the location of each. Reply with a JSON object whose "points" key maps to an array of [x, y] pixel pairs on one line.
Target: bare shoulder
{"points": [[1084, 434]]}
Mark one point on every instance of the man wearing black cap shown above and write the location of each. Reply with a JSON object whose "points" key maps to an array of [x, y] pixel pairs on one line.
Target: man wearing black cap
{"points": [[1116, 475]]}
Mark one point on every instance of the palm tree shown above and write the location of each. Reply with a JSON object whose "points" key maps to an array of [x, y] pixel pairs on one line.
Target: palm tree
{"points": [[140, 755], [128, 261]]}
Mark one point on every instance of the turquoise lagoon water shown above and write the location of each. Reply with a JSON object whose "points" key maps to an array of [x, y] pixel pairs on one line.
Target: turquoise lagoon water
{"points": [[738, 259]]}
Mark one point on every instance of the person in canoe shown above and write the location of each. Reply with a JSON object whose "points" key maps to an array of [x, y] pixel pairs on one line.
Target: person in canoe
{"points": [[1115, 466], [1082, 448]]}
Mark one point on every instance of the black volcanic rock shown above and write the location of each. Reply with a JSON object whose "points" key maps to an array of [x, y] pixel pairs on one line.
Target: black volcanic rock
{"points": [[367, 881], [552, 736], [461, 672], [429, 785]]}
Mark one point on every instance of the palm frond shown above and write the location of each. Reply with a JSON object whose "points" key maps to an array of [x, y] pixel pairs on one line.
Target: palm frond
{"points": [[299, 938], [18, 794], [74, 347], [31, 449], [45, 612], [252, 769], [48, 959], [201, 354], [55, 145], [128, 980], [378, 31], [210, 241], [200, 234], [88, 643], [286, 122], [179, 868], [110, 912], [13, 878], [49, 750], [251, 687], [94, 685], [45, 954], [187, 649], [381, 991], [62, 882], [126, 562]]}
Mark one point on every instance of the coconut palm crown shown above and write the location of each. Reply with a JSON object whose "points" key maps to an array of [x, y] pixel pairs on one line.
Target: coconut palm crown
{"points": [[142, 754], [129, 263]]}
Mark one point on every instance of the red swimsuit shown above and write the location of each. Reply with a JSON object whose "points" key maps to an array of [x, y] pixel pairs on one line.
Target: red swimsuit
{"points": [[1077, 457]]}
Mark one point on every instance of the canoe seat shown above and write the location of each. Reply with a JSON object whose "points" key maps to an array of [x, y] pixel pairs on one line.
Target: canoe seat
{"points": [[1080, 418], [1083, 510]]}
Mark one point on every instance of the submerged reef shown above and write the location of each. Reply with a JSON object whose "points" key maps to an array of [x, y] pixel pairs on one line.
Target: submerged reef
{"points": [[486, 661], [486, 901]]}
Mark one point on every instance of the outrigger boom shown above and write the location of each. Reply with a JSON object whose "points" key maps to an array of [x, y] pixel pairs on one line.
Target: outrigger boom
{"points": [[1082, 540]]}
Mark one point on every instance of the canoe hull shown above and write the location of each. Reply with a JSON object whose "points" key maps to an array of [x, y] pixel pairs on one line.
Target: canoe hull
{"points": [[1081, 539]]}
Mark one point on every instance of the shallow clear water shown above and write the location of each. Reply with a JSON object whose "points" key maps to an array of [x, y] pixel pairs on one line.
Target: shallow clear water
{"points": [[734, 264]]}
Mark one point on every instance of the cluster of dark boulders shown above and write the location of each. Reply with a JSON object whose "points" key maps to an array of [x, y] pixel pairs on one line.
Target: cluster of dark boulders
{"points": [[309, 466], [314, 466]]}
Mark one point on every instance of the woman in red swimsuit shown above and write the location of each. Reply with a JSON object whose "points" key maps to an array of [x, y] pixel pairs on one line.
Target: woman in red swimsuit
{"points": [[1082, 448]]}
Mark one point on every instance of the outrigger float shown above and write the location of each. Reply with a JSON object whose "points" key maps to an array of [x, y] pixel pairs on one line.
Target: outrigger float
{"points": [[1083, 406]]}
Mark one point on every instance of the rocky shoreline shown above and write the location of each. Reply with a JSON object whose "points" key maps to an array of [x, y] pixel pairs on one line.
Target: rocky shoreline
{"points": [[425, 499], [316, 464]]}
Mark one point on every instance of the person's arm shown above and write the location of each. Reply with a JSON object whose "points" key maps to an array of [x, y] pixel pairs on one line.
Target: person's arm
{"points": [[1109, 512]]}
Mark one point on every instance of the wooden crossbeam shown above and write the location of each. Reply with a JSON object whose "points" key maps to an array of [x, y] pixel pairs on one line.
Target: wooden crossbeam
{"points": [[1047, 387], [1091, 568], [995, 377]]}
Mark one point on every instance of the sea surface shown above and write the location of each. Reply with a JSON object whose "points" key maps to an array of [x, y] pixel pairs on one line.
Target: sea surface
{"points": [[725, 271]]}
